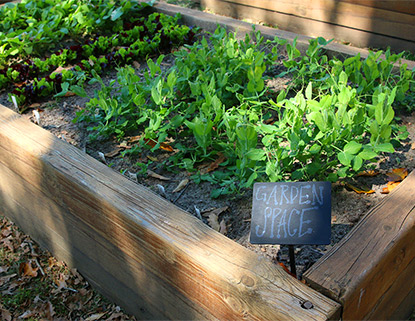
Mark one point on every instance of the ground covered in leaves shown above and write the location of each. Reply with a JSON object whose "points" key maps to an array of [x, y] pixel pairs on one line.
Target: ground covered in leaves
{"points": [[36, 286]]}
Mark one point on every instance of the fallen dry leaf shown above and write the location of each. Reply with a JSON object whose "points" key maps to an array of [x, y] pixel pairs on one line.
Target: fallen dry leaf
{"points": [[360, 190], [204, 169], [397, 174], [34, 105], [95, 316], [223, 229], [213, 222], [27, 314], [216, 211], [163, 146], [113, 153], [389, 187], [413, 145], [158, 176], [183, 183], [69, 94], [152, 158], [368, 173], [6, 315], [26, 269]]}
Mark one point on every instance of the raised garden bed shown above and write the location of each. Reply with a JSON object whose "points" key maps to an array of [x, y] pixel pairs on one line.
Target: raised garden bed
{"points": [[185, 229]]}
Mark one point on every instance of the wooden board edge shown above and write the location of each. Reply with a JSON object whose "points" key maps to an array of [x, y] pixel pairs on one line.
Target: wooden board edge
{"points": [[40, 159]]}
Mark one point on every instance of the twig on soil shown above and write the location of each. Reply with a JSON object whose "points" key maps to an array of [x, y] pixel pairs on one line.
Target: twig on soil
{"points": [[180, 194]]}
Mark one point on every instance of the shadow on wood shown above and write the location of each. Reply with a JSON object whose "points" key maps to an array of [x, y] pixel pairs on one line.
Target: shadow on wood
{"points": [[371, 271], [147, 255]]}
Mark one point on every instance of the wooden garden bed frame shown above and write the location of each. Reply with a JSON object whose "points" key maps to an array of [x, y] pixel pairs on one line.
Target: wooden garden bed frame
{"points": [[159, 262], [141, 251]]}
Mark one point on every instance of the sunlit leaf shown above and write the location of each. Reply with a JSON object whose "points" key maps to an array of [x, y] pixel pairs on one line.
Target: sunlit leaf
{"points": [[360, 189], [397, 174]]}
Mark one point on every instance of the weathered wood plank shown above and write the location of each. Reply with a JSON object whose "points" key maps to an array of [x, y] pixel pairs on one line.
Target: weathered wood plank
{"points": [[353, 28], [341, 13], [404, 6], [371, 270], [144, 253]]}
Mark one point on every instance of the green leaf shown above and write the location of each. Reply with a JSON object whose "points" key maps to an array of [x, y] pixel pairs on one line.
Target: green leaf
{"points": [[256, 154], [367, 154], [357, 163], [385, 148], [345, 158], [352, 147], [78, 90], [343, 78], [216, 193], [116, 14], [315, 149], [309, 91]]}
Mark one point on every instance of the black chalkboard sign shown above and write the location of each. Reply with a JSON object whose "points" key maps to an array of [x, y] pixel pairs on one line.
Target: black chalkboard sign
{"points": [[291, 213]]}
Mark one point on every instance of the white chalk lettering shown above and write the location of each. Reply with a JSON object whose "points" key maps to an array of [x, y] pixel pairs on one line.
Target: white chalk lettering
{"points": [[276, 211], [293, 197], [273, 195], [289, 222], [262, 196], [304, 196], [284, 188], [282, 225], [303, 221], [269, 210], [315, 195]]}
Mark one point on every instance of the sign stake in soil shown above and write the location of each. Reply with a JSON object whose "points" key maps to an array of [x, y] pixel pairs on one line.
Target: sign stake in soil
{"points": [[292, 260], [291, 213]]}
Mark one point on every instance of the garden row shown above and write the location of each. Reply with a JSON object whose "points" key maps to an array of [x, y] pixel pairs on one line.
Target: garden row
{"points": [[334, 119], [96, 37]]}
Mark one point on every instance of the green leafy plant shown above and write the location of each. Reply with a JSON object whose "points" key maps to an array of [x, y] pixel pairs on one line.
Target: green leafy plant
{"points": [[334, 119]]}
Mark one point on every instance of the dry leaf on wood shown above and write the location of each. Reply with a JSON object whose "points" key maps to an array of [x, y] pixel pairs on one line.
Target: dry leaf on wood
{"points": [[158, 176], [183, 183]]}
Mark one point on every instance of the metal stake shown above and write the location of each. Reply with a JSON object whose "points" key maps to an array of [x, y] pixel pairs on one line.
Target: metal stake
{"points": [[292, 260]]}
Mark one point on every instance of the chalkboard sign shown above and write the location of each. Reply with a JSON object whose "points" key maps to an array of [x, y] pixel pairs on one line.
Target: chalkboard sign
{"points": [[291, 213]]}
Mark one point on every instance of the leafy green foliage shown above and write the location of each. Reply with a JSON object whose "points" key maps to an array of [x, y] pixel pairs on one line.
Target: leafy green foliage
{"points": [[334, 119], [33, 26]]}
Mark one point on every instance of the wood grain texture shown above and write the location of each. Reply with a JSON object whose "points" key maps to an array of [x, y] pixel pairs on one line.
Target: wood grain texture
{"points": [[371, 271], [404, 6], [141, 251], [360, 25]]}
